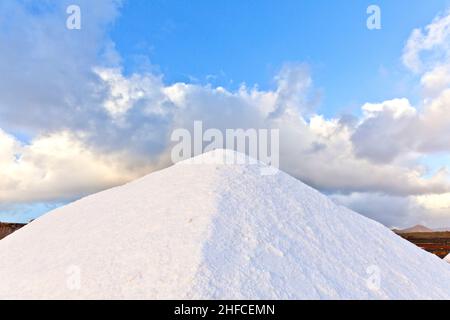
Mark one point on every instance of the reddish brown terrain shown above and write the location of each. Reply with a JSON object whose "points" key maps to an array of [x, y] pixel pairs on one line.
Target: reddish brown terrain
{"points": [[437, 243], [8, 228]]}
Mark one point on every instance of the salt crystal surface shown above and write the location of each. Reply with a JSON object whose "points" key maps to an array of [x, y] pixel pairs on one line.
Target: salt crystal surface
{"points": [[208, 230]]}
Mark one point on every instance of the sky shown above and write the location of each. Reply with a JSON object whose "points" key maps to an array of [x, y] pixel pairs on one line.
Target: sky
{"points": [[247, 42], [362, 113]]}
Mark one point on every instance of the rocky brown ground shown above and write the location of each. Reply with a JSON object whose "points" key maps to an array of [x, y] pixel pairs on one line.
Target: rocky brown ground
{"points": [[8, 228], [437, 243]]}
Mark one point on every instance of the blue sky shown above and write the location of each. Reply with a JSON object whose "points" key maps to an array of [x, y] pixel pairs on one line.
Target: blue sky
{"points": [[232, 42], [363, 114]]}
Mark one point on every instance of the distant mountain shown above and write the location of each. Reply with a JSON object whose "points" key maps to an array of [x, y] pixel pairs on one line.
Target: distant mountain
{"points": [[416, 229]]}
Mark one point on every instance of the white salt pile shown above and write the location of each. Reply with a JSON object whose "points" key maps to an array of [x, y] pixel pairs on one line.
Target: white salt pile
{"points": [[214, 231], [447, 258]]}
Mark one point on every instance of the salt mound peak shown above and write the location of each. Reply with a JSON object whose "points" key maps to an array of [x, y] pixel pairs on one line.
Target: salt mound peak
{"points": [[217, 232], [223, 157]]}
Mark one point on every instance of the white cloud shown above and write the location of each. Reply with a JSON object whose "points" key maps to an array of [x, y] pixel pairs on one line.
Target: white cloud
{"points": [[126, 93], [393, 130], [436, 80], [433, 41], [58, 167], [400, 212], [46, 70], [393, 211], [397, 108], [317, 150]]}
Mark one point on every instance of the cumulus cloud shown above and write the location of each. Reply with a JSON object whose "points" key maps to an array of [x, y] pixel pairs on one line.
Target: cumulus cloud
{"points": [[382, 134], [400, 212], [47, 79], [412, 131], [58, 167], [436, 80], [425, 47], [316, 150], [392, 211], [294, 84]]}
